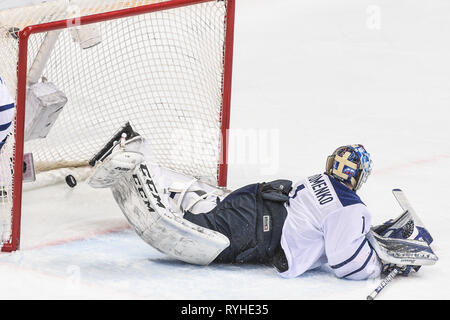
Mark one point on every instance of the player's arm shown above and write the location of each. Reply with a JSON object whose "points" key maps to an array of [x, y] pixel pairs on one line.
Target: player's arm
{"points": [[348, 250], [6, 112]]}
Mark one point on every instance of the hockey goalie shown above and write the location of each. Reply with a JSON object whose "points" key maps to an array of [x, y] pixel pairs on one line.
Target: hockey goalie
{"points": [[292, 227]]}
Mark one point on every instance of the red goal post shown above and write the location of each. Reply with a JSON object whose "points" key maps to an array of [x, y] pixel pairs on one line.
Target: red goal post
{"points": [[22, 70]]}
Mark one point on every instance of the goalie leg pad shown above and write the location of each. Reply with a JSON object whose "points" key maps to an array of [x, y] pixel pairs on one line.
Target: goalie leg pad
{"points": [[145, 210], [44, 104], [107, 172]]}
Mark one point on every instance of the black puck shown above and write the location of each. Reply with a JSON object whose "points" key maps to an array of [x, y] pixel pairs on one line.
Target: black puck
{"points": [[71, 181]]}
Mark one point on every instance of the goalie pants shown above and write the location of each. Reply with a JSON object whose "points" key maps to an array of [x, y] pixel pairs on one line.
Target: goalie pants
{"points": [[252, 218]]}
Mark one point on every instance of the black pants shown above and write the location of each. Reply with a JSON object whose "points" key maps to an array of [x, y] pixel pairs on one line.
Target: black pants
{"points": [[252, 217]]}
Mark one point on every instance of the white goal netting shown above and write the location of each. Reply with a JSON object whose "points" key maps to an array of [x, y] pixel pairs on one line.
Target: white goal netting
{"points": [[163, 71]]}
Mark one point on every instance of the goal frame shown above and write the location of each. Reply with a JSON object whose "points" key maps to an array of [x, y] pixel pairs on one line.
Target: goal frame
{"points": [[22, 65]]}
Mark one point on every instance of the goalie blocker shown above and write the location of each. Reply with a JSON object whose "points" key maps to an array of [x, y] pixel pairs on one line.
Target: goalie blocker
{"points": [[403, 243]]}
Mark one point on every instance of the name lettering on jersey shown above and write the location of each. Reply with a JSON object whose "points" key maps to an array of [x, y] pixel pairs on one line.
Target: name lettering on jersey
{"points": [[320, 189]]}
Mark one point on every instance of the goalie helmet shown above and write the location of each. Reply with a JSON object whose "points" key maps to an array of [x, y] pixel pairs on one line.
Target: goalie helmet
{"points": [[350, 164]]}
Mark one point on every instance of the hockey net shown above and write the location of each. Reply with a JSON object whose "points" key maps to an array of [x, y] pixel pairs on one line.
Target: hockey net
{"points": [[164, 66]]}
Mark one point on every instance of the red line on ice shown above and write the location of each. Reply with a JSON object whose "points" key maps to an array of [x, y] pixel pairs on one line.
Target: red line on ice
{"points": [[413, 163], [89, 235]]}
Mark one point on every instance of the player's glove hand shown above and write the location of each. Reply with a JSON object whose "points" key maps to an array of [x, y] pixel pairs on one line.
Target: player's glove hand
{"points": [[403, 270]]}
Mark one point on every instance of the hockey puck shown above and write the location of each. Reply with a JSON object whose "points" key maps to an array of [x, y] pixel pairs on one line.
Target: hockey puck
{"points": [[71, 181]]}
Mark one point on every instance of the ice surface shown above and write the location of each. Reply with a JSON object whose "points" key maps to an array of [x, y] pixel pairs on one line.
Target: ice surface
{"points": [[308, 76]]}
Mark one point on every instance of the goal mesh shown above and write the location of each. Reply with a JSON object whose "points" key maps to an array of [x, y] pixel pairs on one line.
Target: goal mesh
{"points": [[161, 70]]}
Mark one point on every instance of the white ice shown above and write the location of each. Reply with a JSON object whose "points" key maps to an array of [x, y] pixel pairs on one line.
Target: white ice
{"points": [[308, 76]]}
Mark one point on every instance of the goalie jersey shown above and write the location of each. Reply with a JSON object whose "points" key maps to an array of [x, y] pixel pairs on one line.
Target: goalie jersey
{"points": [[6, 112], [327, 223]]}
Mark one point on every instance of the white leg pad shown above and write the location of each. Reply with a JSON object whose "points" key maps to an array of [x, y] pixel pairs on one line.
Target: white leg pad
{"points": [[107, 172], [169, 233]]}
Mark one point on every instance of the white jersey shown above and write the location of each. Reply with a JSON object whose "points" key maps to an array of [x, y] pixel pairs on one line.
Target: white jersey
{"points": [[327, 223], [6, 112]]}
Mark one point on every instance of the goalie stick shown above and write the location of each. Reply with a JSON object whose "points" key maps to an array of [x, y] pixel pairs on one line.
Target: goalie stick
{"points": [[115, 139], [406, 206], [425, 236], [383, 284]]}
